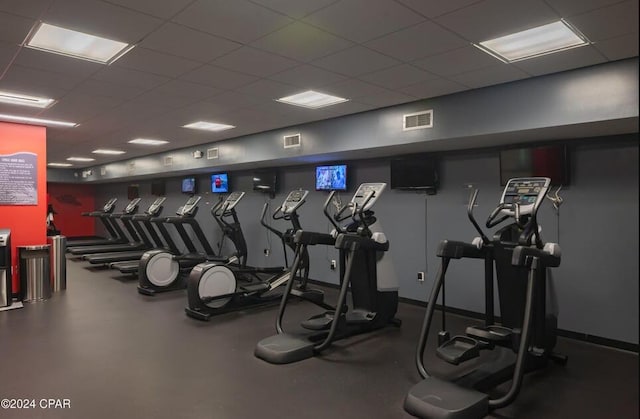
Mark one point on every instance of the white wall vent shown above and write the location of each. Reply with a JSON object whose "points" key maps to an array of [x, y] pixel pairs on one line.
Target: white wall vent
{"points": [[418, 120], [103, 171], [168, 161], [212, 153], [291, 141], [131, 167]]}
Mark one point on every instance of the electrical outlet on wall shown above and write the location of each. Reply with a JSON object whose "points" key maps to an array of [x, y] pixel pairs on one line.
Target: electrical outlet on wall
{"points": [[333, 264], [420, 276], [267, 252]]}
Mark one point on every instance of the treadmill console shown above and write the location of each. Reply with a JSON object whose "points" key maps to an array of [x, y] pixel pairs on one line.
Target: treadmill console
{"points": [[189, 208], [132, 206], [528, 193], [293, 201], [110, 205], [232, 200], [155, 208], [366, 190]]}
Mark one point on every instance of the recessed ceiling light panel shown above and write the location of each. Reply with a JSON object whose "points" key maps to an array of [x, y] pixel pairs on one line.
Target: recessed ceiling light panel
{"points": [[59, 164], [83, 159], [36, 121], [105, 151], [76, 44], [542, 40], [148, 141], [312, 99], [208, 126], [25, 100]]}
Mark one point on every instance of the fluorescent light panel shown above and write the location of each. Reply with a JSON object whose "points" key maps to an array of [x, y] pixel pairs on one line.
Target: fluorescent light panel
{"points": [[208, 126], [76, 44], [542, 40], [148, 141], [59, 164], [80, 159], [105, 151], [25, 100], [312, 99], [36, 121]]}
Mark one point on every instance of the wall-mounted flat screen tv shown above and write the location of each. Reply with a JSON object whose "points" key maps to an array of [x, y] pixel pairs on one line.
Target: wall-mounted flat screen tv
{"points": [[545, 161], [219, 183], [414, 173], [331, 178], [157, 187], [189, 185], [265, 181], [133, 192]]}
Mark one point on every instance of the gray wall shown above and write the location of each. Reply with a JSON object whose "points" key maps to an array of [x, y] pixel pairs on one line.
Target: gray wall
{"points": [[596, 286]]}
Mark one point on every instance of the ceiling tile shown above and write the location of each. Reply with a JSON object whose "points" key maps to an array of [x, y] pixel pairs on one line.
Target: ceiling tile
{"points": [[27, 8], [202, 111], [7, 52], [187, 89], [56, 63], [163, 9], [355, 61], [78, 107], [234, 99], [165, 99], [14, 29], [103, 88], [302, 42], [433, 88], [188, 43], [19, 110], [307, 76], [500, 73], [267, 89], [217, 77], [387, 98], [143, 59], [618, 48], [102, 19], [236, 20], [434, 8], [493, 18], [353, 89], [127, 77], [417, 41], [458, 61], [608, 22], [50, 91], [254, 61], [24, 76], [398, 76], [294, 8], [568, 8], [362, 20], [561, 61]]}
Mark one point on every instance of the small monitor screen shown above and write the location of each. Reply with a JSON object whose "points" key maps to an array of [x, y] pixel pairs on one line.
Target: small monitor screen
{"points": [[265, 181], [219, 183], [545, 161], [133, 192], [331, 178], [157, 188], [189, 185]]}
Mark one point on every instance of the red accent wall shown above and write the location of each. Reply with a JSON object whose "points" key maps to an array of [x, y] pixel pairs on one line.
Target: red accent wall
{"points": [[28, 223], [69, 201]]}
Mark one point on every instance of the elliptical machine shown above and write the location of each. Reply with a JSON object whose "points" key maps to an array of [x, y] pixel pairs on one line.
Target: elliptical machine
{"points": [[375, 299], [524, 340], [218, 286]]}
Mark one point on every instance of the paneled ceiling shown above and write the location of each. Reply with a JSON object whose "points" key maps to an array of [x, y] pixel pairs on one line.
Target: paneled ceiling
{"points": [[227, 60]]}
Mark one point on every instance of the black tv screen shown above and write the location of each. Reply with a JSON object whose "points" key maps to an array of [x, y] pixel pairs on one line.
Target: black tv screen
{"points": [[219, 183], [331, 178], [157, 188], [265, 181], [544, 161], [414, 172], [189, 185], [133, 192]]}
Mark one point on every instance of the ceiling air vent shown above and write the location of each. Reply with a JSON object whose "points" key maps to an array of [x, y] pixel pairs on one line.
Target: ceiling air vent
{"points": [[418, 120], [212, 153], [291, 141], [168, 161]]}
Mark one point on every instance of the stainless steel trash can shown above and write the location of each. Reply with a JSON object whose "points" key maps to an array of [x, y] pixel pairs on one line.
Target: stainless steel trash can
{"points": [[58, 262], [35, 282]]}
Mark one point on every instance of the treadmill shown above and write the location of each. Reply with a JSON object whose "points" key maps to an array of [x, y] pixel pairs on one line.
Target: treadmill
{"points": [[144, 229], [115, 234], [130, 244]]}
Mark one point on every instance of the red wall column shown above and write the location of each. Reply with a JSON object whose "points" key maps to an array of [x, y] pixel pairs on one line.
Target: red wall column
{"points": [[28, 223]]}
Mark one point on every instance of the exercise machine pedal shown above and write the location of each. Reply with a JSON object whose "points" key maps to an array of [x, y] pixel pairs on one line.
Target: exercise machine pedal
{"points": [[319, 321], [490, 333], [459, 349], [435, 398]]}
